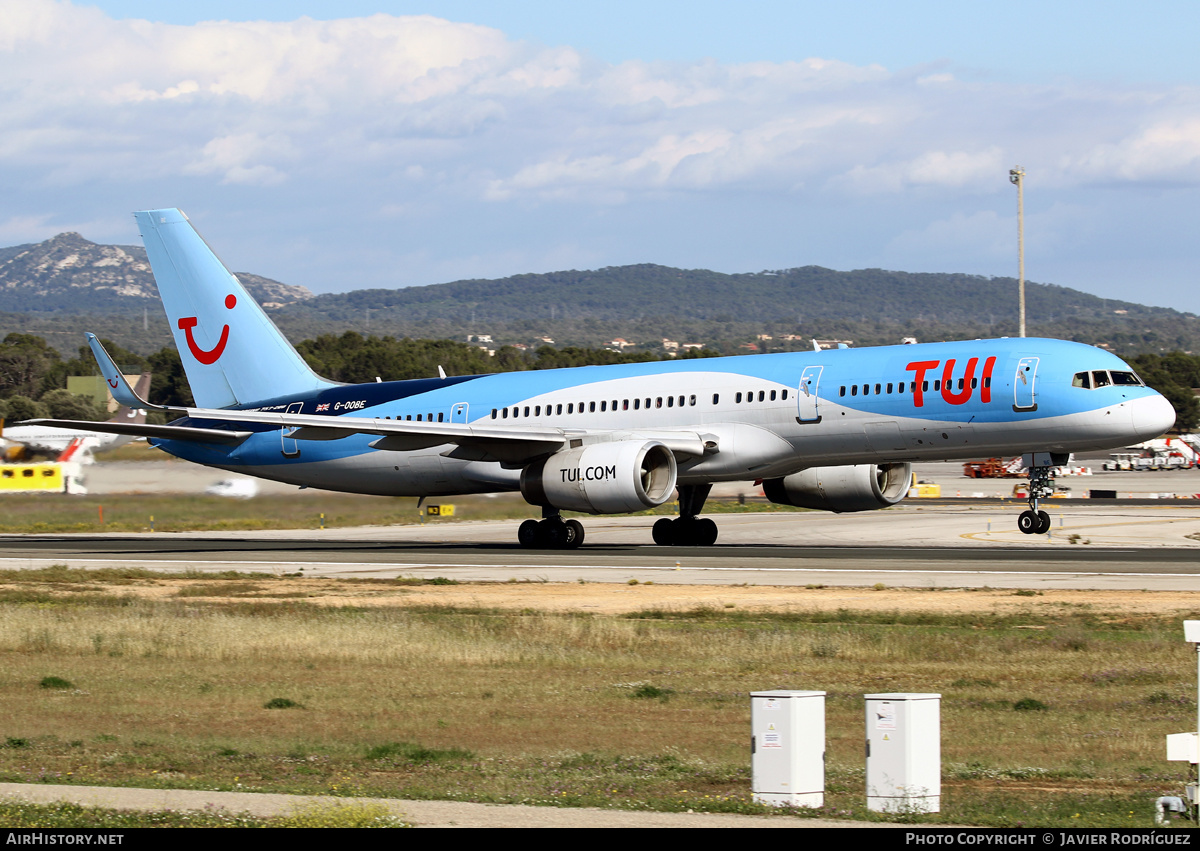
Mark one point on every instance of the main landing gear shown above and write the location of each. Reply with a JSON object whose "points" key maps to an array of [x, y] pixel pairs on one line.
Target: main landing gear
{"points": [[551, 532], [687, 530], [1041, 486]]}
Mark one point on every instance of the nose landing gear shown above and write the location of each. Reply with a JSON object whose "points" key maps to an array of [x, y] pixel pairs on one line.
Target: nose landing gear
{"points": [[1041, 486]]}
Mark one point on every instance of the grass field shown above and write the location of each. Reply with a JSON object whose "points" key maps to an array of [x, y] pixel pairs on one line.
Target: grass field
{"points": [[1054, 714], [54, 512]]}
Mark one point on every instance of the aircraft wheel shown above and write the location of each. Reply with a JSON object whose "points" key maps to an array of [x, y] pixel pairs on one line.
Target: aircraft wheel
{"points": [[552, 534], [1028, 522], [706, 532], [574, 536], [527, 534], [1043, 523], [664, 532]]}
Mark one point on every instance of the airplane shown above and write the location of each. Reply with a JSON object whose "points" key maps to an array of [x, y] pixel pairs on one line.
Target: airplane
{"points": [[19, 441], [836, 430]]}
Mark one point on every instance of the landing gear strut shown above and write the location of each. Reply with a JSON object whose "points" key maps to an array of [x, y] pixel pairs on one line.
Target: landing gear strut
{"points": [[1041, 486], [551, 532], [687, 530]]}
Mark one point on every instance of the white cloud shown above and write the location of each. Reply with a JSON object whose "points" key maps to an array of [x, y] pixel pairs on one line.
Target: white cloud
{"points": [[423, 120]]}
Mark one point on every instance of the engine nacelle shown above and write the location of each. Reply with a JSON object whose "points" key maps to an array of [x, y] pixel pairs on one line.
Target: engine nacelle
{"points": [[603, 478], [854, 487]]}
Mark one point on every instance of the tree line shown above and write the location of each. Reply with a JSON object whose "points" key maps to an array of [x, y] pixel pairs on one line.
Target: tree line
{"points": [[33, 374]]}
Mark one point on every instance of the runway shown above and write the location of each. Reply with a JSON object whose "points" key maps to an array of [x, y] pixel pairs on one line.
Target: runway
{"points": [[1090, 547]]}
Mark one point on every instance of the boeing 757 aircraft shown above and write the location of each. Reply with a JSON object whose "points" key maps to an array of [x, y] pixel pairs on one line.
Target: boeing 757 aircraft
{"points": [[834, 430]]}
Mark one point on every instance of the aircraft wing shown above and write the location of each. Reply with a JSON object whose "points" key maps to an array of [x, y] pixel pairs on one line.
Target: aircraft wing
{"points": [[199, 435], [472, 441]]}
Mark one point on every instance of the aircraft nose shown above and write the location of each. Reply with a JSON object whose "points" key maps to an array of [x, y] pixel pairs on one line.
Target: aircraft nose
{"points": [[1152, 416]]}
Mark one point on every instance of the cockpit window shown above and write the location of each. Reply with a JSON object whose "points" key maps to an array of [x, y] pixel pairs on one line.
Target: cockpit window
{"points": [[1106, 378], [1126, 379]]}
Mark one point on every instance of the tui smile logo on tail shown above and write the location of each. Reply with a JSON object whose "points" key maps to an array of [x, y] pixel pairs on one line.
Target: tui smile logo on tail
{"points": [[187, 323]]}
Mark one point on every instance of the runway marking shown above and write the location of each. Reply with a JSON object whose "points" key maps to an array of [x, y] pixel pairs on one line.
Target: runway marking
{"points": [[375, 566]]}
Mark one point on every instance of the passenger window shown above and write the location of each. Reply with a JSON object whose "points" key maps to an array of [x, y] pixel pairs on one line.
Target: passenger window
{"points": [[681, 401], [738, 398], [670, 401], [853, 389], [889, 387], [625, 405], [526, 413], [592, 407], [570, 407], [658, 402], [772, 395], [866, 389], [603, 406], [878, 388], [692, 401], [842, 391], [785, 395], [637, 403], [441, 414], [716, 398], [558, 409], [495, 413]]}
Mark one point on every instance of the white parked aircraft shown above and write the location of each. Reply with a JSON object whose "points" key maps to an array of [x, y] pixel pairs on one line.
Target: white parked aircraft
{"points": [[19, 441]]}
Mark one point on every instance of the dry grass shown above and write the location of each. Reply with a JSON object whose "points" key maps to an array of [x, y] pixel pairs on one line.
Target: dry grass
{"points": [[538, 705]]}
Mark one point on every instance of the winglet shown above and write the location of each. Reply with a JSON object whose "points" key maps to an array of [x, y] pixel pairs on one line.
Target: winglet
{"points": [[121, 391]]}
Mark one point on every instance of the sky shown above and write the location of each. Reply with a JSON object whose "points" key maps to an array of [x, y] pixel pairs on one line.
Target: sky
{"points": [[386, 144]]}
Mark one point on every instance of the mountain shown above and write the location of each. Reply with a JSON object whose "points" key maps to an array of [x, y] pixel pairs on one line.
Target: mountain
{"points": [[70, 275], [46, 288]]}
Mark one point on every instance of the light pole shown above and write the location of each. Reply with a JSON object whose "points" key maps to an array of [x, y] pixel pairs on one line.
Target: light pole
{"points": [[1017, 176]]}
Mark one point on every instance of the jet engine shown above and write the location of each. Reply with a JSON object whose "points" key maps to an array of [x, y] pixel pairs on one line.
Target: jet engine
{"points": [[854, 487], [602, 478]]}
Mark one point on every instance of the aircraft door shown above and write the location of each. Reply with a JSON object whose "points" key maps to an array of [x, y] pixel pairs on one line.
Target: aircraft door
{"points": [[290, 447], [806, 399], [1024, 391], [458, 413]]}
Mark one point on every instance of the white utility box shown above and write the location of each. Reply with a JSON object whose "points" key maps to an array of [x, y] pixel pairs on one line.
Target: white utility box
{"points": [[787, 747], [1181, 747], [904, 753]]}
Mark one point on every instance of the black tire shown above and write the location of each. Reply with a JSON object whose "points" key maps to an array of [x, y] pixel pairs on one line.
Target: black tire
{"points": [[1028, 522], [527, 534], [664, 532], [706, 532], [1043, 523], [574, 530], [552, 534]]}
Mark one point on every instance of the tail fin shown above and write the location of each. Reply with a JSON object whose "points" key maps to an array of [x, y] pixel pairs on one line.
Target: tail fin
{"points": [[231, 351]]}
